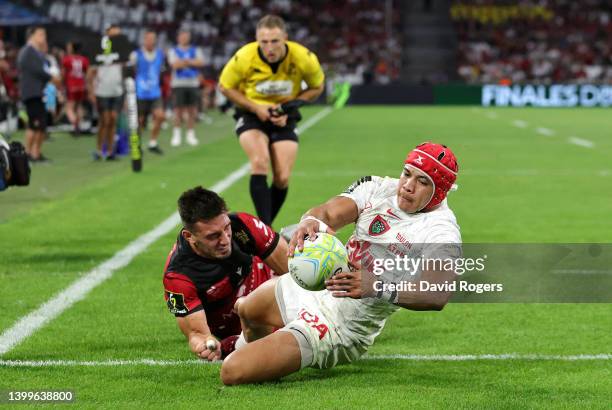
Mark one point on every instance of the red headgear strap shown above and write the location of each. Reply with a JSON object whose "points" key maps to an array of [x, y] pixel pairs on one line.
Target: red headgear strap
{"points": [[440, 164]]}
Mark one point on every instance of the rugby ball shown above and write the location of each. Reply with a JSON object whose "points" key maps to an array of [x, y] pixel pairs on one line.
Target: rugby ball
{"points": [[320, 259]]}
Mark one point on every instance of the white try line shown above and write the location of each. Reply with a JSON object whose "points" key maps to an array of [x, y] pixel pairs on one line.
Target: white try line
{"points": [[391, 357], [503, 356], [79, 289], [545, 131], [314, 119]]}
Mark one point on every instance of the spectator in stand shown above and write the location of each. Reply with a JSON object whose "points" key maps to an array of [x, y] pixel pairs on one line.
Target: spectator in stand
{"points": [[219, 25], [74, 67], [548, 42]]}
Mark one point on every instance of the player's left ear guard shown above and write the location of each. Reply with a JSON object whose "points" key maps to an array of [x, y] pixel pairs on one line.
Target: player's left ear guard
{"points": [[440, 164]]}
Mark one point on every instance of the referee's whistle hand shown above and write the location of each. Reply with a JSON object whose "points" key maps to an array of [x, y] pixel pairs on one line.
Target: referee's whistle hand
{"points": [[279, 121], [263, 112]]}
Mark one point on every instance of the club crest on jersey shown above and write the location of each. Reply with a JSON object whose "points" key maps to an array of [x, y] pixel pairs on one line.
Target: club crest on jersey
{"points": [[378, 226], [242, 237]]}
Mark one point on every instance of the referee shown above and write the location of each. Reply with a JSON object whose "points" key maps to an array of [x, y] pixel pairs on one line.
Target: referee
{"points": [[260, 77]]}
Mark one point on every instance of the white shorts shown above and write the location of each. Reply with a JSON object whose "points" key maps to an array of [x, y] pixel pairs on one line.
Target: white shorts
{"points": [[312, 319]]}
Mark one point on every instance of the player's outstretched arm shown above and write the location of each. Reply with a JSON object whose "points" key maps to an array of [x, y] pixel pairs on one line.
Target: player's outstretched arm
{"points": [[328, 217], [277, 260], [195, 328], [428, 300], [359, 283]]}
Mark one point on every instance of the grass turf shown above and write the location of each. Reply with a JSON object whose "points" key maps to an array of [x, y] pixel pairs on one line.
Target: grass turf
{"points": [[515, 186]]}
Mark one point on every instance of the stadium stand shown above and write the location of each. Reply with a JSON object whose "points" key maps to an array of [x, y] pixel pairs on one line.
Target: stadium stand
{"points": [[362, 48], [428, 42], [544, 42]]}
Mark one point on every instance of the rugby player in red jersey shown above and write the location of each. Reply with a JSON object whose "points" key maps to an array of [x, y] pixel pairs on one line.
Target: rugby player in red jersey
{"points": [[74, 68], [218, 257]]}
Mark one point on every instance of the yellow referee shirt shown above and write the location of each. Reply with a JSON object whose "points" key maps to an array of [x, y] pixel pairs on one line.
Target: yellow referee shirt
{"points": [[248, 73]]}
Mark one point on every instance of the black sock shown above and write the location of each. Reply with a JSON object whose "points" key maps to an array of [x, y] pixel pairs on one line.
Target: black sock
{"points": [[260, 193], [278, 196]]}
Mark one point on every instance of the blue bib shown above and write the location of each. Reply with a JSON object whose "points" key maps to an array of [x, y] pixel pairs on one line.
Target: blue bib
{"points": [[182, 54], [148, 75]]}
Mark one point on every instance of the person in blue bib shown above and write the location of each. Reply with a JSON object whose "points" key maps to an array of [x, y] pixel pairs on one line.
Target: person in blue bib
{"points": [[148, 62], [186, 61]]}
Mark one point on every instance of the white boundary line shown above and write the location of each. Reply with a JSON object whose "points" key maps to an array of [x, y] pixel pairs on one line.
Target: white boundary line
{"points": [[403, 357], [503, 356], [314, 119], [581, 142], [545, 131], [79, 289]]}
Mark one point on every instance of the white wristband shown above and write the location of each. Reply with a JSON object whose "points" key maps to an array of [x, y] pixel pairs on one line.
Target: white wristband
{"points": [[322, 225]]}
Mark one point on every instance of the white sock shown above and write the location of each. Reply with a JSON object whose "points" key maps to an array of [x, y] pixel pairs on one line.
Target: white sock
{"points": [[176, 131], [153, 143], [191, 133], [240, 342]]}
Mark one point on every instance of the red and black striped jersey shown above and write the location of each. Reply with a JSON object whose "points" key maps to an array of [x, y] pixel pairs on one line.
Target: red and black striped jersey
{"points": [[193, 283]]}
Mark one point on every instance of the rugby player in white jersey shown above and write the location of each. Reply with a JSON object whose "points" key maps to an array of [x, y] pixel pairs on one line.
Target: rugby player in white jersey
{"points": [[337, 325]]}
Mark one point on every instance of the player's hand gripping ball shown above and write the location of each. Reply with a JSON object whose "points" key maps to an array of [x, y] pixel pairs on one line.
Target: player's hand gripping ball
{"points": [[211, 345], [320, 260]]}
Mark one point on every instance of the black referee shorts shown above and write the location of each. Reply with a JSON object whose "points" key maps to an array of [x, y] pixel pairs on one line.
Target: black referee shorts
{"points": [[37, 114], [246, 120]]}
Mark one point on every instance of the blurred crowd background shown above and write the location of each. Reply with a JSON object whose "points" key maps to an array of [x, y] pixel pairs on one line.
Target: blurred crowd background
{"points": [[362, 42]]}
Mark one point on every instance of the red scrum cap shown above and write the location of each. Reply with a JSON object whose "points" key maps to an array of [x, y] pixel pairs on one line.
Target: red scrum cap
{"points": [[440, 164]]}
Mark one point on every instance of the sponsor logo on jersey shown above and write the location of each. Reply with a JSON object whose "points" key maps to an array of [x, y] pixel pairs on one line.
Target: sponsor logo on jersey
{"points": [[176, 303], [378, 226], [271, 87], [401, 238], [313, 321]]}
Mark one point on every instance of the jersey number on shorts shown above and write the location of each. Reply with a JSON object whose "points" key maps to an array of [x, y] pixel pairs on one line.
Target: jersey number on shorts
{"points": [[313, 321]]}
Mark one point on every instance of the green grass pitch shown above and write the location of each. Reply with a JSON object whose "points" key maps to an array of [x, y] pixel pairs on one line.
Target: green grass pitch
{"points": [[517, 183]]}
